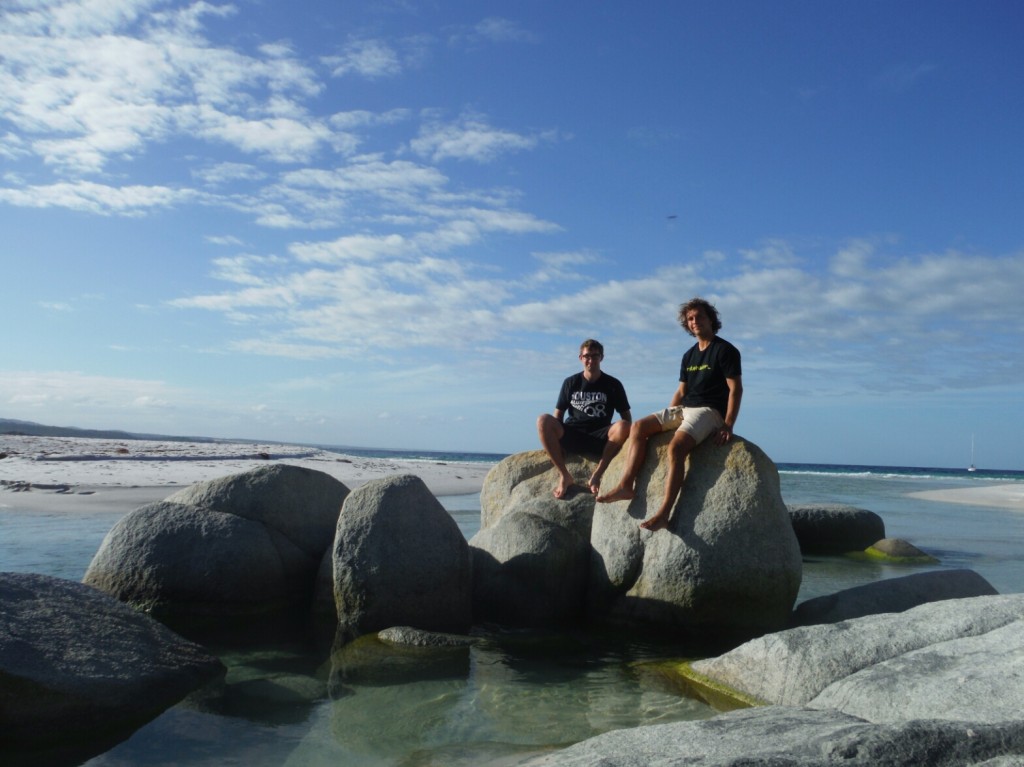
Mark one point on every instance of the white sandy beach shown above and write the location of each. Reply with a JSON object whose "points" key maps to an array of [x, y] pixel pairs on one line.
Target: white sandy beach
{"points": [[1009, 496], [96, 474]]}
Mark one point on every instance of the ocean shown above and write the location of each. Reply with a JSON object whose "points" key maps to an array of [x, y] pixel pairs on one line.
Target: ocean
{"points": [[522, 692]]}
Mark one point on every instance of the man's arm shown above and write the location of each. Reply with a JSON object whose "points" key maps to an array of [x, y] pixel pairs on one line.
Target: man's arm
{"points": [[732, 408], [625, 416], [559, 415], [677, 396]]}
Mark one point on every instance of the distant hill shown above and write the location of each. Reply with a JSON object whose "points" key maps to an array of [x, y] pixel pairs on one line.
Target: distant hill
{"points": [[31, 429]]}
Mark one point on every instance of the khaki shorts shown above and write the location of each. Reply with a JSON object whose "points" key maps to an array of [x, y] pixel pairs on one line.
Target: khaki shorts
{"points": [[699, 422]]}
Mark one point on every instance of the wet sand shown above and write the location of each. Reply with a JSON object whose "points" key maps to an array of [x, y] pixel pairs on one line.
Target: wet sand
{"points": [[1001, 496]]}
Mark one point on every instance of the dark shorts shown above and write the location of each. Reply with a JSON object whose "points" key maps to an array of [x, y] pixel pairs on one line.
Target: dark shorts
{"points": [[581, 442]]}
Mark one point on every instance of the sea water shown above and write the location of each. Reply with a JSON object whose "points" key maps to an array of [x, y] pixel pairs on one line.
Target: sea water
{"points": [[519, 693]]}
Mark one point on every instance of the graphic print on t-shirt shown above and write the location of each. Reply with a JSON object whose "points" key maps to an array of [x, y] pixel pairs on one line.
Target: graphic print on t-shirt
{"points": [[593, 403]]}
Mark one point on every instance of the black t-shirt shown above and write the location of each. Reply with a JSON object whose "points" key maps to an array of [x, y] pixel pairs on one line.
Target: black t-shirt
{"points": [[704, 373], [589, 405]]}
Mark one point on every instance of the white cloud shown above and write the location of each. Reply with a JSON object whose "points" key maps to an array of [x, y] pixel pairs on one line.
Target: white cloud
{"points": [[228, 172], [353, 247], [494, 29], [501, 30], [371, 176], [470, 138], [368, 58], [98, 198], [376, 295], [57, 306], [280, 139], [70, 390], [562, 267], [88, 93]]}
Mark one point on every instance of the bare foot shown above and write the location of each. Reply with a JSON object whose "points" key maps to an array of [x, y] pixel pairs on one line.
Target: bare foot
{"points": [[618, 494], [563, 487], [656, 522], [595, 483]]}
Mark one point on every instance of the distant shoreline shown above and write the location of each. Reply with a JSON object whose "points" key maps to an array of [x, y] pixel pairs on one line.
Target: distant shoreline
{"points": [[1001, 496], [78, 465]]}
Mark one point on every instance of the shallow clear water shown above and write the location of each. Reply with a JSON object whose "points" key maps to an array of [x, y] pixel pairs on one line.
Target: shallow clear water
{"points": [[511, 695]]}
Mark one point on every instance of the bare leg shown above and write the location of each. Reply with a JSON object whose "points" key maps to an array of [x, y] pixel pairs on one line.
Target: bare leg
{"points": [[550, 430], [678, 449], [617, 436], [639, 433]]}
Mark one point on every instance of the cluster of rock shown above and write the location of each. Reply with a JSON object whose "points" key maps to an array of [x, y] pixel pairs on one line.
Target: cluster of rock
{"points": [[728, 564], [286, 541], [273, 538], [939, 684]]}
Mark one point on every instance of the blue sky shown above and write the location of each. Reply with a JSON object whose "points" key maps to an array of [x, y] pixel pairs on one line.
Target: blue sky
{"points": [[391, 224]]}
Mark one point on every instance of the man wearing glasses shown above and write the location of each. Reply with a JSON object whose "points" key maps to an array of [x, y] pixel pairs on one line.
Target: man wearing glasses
{"points": [[582, 421]]}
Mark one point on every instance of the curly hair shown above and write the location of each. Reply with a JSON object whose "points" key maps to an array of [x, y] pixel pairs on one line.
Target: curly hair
{"points": [[705, 306]]}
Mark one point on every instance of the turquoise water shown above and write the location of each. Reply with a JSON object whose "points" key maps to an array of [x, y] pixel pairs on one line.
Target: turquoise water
{"points": [[515, 693]]}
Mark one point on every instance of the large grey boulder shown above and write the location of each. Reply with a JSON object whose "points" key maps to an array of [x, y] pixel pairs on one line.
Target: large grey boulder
{"points": [[524, 481], [399, 560], [529, 570], [835, 528], [300, 504], [78, 665], [778, 736], [240, 545], [728, 561], [892, 595], [532, 554], [795, 666], [974, 678]]}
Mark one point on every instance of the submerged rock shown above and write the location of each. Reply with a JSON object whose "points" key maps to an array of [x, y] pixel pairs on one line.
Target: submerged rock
{"points": [[835, 528], [892, 595], [897, 550]]}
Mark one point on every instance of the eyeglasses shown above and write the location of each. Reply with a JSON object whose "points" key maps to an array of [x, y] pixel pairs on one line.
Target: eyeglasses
{"points": [[590, 356]]}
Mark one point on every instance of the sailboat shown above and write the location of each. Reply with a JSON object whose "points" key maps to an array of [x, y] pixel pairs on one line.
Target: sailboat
{"points": [[971, 467]]}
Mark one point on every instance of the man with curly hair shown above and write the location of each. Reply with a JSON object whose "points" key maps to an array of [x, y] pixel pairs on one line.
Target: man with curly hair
{"points": [[705, 404]]}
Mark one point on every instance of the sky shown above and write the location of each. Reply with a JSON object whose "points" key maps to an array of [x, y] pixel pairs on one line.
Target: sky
{"points": [[391, 224]]}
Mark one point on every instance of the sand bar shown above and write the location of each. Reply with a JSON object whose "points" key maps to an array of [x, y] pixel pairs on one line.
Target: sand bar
{"points": [[89, 473], [1010, 496]]}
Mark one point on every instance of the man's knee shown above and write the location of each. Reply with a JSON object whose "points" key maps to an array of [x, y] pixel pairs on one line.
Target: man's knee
{"points": [[548, 424], [645, 428], [619, 432], [681, 444]]}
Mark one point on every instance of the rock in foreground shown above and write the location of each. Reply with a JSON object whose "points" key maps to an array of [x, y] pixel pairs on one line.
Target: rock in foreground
{"points": [[77, 665], [958, 658], [778, 736]]}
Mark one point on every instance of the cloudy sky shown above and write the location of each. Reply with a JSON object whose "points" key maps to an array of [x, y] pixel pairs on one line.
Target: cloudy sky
{"points": [[390, 224]]}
